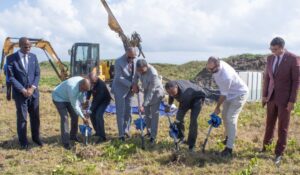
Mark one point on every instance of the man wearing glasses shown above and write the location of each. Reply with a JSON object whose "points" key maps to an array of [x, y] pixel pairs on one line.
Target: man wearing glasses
{"points": [[281, 83], [234, 93], [121, 88]]}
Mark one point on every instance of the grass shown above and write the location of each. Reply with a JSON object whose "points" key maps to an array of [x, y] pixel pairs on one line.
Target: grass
{"points": [[113, 157]]}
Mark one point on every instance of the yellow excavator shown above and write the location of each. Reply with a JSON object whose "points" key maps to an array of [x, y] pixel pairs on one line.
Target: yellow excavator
{"points": [[84, 58]]}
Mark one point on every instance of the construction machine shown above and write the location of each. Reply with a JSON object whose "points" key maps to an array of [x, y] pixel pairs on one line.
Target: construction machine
{"points": [[85, 58]]}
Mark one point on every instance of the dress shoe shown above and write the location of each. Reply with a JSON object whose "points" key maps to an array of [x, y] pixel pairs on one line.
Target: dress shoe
{"points": [[226, 153], [24, 146], [75, 139], [38, 142], [191, 148], [122, 139], [152, 141], [101, 140], [277, 160], [225, 140], [67, 146], [127, 135]]}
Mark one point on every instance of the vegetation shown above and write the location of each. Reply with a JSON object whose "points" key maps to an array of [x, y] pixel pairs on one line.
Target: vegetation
{"points": [[113, 157]]}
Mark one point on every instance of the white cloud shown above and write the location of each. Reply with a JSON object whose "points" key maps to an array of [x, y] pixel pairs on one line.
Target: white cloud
{"points": [[177, 30]]}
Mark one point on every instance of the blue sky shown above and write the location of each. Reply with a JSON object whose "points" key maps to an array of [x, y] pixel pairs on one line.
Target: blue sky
{"points": [[174, 31]]}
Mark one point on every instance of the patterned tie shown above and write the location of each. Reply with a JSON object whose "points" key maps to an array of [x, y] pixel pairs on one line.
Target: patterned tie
{"points": [[130, 67]]}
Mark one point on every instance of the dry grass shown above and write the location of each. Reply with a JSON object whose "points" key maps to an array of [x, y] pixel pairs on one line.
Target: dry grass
{"points": [[113, 157]]}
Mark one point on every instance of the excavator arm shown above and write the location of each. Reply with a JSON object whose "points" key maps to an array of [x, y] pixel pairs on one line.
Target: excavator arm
{"points": [[59, 67], [134, 41]]}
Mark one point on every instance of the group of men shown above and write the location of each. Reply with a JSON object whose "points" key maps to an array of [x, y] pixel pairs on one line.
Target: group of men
{"points": [[281, 84]]}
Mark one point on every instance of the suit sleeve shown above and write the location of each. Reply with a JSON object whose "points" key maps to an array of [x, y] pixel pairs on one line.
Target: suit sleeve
{"points": [[151, 89], [99, 97], [266, 80], [119, 75], [135, 78], [295, 79], [36, 74], [12, 77]]}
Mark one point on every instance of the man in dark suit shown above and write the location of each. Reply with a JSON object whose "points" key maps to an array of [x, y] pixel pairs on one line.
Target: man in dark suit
{"points": [[24, 73], [101, 99], [281, 83]]}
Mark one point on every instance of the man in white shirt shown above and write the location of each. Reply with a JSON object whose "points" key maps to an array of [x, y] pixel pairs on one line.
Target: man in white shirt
{"points": [[234, 93]]}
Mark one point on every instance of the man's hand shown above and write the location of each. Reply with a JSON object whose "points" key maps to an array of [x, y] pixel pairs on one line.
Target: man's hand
{"points": [[135, 88], [30, 91], [217, 110], [142, 109], [290, 107], [85, 121], [85, 105], [168, 108], [25, 93], [264, 101]]}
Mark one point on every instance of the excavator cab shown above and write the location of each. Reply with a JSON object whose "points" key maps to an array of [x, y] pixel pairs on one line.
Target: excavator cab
{"points": [[84, 58]]}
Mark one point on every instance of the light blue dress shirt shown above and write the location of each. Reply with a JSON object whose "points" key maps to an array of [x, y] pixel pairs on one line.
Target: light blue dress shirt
{"points": [[68, 91]]}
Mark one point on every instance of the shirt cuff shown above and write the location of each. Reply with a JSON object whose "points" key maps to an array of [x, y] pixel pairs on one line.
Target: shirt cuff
{"points": [[34, 87]]}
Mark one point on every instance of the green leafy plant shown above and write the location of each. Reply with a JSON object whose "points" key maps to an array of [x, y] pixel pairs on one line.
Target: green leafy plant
{"points": [[249, 170]]}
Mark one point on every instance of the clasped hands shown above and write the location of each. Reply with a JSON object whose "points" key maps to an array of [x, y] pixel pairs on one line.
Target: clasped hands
{"points": [[28, 92]]}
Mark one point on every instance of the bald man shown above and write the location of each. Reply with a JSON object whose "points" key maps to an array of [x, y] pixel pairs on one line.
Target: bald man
{"points": [[101, 99], [24, 74], [67, 97], [121, 88]]}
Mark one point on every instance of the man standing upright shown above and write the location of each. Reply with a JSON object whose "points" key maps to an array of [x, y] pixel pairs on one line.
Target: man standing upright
{"points": [[234, 93], [281, 83], [24, 74], [121, 88]]}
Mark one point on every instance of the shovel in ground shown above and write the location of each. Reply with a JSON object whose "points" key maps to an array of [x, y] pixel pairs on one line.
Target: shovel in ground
{"points": [[214, 122]]}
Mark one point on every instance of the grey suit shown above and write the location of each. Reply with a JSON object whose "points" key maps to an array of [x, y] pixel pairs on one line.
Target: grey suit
{"points": [[153, 94], [121, 88]]}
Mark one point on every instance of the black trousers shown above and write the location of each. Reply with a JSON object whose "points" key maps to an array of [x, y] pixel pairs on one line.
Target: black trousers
{"points": [[8, 90], [30, 105], [97, 119], [195, 107]]}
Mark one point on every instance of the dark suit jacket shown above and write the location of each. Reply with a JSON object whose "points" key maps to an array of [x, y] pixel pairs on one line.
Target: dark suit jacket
{"points": [[100, 94], [283, 86], [21, 79]]}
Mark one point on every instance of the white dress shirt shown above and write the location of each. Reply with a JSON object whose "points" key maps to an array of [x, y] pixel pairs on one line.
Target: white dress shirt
{"points": [[24, 56], [229, 82], [278, 58]]}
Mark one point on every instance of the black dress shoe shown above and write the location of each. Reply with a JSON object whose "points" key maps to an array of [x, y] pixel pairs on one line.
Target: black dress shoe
{"points": [[24, 146], [67, 146], [226, 153], [38, 142], [127, 135], [122, 139], [225, 140], [191, 148], [75, 139], [152, 141], [277, 160], [101, 140]]}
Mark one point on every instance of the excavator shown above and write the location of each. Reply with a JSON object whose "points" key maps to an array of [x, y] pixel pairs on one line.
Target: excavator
{"points": [[84, 58]]}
